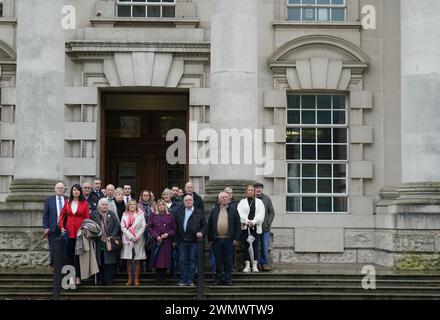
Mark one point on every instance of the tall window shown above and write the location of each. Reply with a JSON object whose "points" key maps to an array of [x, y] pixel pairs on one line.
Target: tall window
{"points": [[146, 8], [1, 8], [317, 153], [316, 10]]}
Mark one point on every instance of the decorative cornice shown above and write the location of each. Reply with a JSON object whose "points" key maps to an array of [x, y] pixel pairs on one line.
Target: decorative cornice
{"points": [[320, 39], [171, 22], [318, 24], [87, 48]]}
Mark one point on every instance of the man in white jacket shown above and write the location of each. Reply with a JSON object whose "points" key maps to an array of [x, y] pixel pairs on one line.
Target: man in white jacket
{"points": [[251, 212]]}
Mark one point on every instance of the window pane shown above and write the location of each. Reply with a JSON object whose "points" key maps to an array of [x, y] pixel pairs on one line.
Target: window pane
{"points": [[169, 12], [308, 135], [324, 170], [323, 2], [324, 186], [323, 14], [340, 204], [338, 14], [292, 152], [308, 117], [308, 14], [339, 171], [324, 135], [293, 204], [292, 135], [293, 101], [294, 1], [324, 102], [337, 1], [309, 170], [340, 135], [154, 12], [293, 186], [139, 11], [308, 204], [151, 0], [339, 186], [324, 117], [338, 117], [324, 152], [325, 204], [294, 14], [308, 152], [339, 152], [308, 1], [167, 0], [124, 11], [308, 102], [293, 117], [293, 170], [339, 102]]}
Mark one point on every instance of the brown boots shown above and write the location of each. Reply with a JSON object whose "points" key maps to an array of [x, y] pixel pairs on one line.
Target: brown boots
{"points": [[137, 271], [129, 282]]}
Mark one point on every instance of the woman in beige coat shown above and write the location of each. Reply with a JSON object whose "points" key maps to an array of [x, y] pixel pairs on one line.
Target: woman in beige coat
{"points": [[133, 226]]}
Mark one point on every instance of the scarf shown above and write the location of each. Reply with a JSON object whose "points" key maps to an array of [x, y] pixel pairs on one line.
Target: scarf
{"points": [[128, 222], [104, 236]]}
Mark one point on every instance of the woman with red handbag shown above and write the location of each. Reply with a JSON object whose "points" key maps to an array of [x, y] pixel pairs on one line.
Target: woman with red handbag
{"points": [[75, 210]]}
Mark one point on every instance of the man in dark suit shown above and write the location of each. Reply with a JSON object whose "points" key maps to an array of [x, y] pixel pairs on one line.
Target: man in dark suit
{"points": [[191, 226], [51, 214], [224, 231]]}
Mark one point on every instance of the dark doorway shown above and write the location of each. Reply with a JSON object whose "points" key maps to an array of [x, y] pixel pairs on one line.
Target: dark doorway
{"points": [[135, 147]]}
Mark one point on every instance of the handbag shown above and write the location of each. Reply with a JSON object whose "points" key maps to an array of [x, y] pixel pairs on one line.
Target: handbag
{"points": [[114, 243]]}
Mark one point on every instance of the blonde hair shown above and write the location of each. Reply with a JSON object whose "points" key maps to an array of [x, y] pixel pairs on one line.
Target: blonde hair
{"points": [[127, 207], [164, 203]]}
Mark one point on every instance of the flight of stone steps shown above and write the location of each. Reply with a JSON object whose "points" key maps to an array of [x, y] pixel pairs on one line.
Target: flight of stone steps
{"points": [[275, 285]]}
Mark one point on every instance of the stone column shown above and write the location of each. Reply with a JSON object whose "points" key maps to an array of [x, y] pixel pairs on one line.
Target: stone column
{"points": [[39, 133], [416, 223], [233, 85]]}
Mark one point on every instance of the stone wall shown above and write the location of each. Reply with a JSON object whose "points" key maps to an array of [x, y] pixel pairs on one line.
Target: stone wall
{"points": [[21, 236]]}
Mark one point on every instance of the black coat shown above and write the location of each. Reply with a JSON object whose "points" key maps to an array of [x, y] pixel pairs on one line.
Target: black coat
{"points": [[113, 228], [196, 223], [234, 224]]}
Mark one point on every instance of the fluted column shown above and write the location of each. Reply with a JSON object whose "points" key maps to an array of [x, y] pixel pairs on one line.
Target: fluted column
{"points": [[39, 134]]}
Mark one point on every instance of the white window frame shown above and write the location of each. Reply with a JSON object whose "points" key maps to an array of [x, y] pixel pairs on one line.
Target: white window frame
{"points": [[317, 162], [146, 4], [316, 7]]}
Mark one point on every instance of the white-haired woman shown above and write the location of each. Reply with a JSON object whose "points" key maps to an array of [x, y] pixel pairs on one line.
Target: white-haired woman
{"points": [[251, 210], [133, 226], [110, 226]]}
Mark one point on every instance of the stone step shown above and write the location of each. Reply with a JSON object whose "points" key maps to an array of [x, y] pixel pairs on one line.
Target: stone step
{"points": [[261, 282]]}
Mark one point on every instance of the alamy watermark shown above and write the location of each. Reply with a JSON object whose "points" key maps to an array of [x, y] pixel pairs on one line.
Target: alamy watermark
{"points": [[224, 147], [369, 281]]}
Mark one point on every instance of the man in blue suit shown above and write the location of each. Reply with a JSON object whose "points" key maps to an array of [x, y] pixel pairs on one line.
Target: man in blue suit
{"points": [[52, 211]]}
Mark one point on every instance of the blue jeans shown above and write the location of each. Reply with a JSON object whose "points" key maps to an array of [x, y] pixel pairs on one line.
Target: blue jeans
{"points": [[223, 250], [212, 263], [265, 242], [174, 262], [188, 260]]}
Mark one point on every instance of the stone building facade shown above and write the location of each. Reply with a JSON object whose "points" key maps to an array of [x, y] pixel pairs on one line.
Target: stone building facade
{"points": [[347, 89]]}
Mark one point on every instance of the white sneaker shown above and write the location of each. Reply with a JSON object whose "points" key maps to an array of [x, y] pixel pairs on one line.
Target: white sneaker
{"points": [[247, 267], [255, 267]]}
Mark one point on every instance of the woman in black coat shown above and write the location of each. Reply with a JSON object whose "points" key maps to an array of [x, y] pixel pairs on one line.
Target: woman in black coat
{"points": [[110, 226]]}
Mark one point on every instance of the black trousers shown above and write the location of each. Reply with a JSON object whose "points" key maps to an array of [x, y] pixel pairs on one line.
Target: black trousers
{"points": [[161, 274], [73, 259], [106, 272]]}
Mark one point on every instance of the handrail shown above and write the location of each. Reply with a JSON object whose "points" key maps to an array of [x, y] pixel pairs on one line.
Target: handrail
{"points": [[58, 265], [201, 269]]}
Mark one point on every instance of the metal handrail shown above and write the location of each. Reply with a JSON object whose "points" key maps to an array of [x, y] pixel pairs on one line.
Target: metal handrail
{"points": [[201, 269]]}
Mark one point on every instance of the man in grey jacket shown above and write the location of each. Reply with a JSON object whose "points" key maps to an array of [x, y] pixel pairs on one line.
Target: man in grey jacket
{"points": [[267, 223]]}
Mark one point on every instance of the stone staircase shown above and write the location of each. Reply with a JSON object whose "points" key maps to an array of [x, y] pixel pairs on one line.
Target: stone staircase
{"points": [[278, 285]]}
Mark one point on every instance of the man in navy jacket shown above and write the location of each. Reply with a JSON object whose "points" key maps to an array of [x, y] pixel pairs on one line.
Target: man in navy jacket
{"points": [[52, 211]]}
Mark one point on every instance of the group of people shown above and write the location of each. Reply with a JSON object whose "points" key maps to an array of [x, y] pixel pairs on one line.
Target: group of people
{"points": [[102, 230]]}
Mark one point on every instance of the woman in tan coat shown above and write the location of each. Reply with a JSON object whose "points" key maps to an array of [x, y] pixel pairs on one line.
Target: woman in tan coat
{"points": [[133, 226]]}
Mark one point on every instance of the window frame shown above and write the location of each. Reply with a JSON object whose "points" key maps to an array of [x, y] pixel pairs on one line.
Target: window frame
{"points": [[316, 6], [316, 162], [146, 4]]}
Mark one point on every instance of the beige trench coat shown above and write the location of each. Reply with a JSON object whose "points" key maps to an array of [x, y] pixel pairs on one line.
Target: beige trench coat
{"points": [[87, 260]]}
